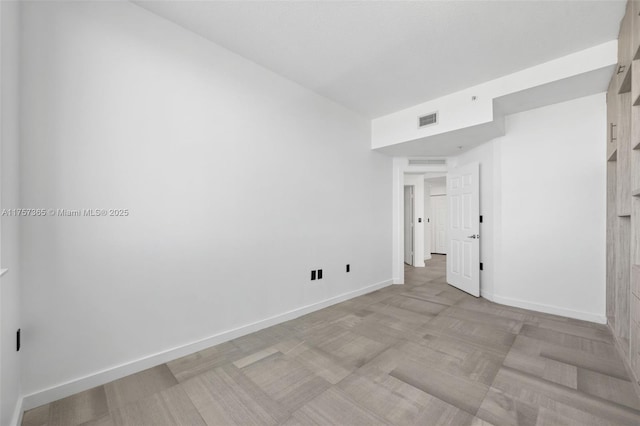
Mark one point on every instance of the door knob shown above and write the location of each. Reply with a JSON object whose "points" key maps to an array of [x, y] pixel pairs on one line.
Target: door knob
{"points": [[474, 236]]}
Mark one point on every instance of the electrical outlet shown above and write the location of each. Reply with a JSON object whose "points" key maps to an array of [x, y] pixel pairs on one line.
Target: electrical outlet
{"points": [[348, 268], [319, 274], [313, 275]]}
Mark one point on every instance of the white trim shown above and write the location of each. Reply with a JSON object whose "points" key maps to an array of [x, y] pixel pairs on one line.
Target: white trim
{"points": [[98, 378], [550, 309], [16, 420], [487, 294]]}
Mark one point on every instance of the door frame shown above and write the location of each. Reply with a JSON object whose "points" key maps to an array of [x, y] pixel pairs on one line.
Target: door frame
{"points": [[400, 167]]}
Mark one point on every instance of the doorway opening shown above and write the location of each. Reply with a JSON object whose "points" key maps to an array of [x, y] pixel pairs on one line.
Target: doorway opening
{"points": [[409, 239], [436, 212], [411, 172], [461, 211], [435, 229], [413, 219]]}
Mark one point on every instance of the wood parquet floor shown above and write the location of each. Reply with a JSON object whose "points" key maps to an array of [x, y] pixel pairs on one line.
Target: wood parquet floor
{"points": [[419, 354]]}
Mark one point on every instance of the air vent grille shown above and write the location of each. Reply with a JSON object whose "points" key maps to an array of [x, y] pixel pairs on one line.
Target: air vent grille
{"points": [[427, 162], [428, 120]]}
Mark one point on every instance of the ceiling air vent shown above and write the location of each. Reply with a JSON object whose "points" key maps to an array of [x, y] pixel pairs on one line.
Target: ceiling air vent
{"points": [[428, 120], [427, 162]]}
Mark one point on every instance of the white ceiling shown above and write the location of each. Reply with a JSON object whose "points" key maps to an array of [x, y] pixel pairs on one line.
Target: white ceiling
{"points": [[380, 57]]}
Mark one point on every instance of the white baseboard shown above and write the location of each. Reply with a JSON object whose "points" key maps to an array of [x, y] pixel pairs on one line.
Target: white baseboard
{"points": [[16, 420], [80, 384], [550, 309], [488, 295]]}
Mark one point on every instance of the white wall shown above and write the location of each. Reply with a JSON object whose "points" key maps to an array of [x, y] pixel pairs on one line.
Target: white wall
{"points": [[9, 198], [551, 223], [438, 190], [417, 181], [238, 181], [542, 198]]}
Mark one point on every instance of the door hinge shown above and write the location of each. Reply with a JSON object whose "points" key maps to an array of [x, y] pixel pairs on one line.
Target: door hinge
{"points": [[480, 218], [18, 340], [481, 266]]}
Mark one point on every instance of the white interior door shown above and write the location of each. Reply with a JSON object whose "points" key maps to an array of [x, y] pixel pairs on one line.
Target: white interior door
{"points": [[439, 226], [408, 225], [463, 256]]}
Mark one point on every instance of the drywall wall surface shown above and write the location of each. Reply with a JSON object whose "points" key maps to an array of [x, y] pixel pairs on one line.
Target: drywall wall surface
{"points": [[417, 181], [483, 155], [438, 190], [10, 393], [236, 184], [550, 209]]}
